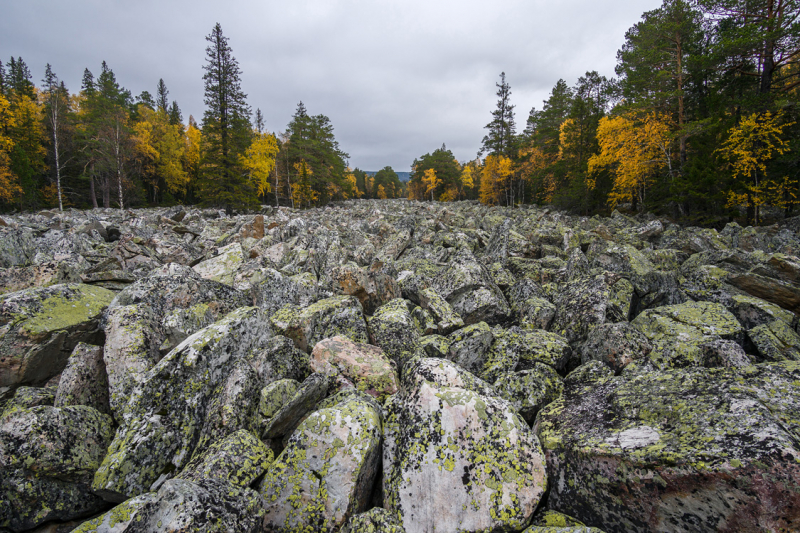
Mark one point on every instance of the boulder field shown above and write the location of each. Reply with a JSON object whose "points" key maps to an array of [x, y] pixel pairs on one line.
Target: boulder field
{"points": [[397, 367]]}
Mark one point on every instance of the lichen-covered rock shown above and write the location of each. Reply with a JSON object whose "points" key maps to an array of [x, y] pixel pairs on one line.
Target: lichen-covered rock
{"points": [[589, 373], [271, 290], [223, 266], [238, 459], [84, 380], [776, 341], [677, 332], [424, 321], [366, 366], [537, 313], [41, 275], [340, 315], [469, 289], [181, 505], [616, 345], [27, 397], [279, 358], [311, 391], [521, 349], [392, 329], [40, 327], [530, 390], [751, 312], [678, 450], [48, 456], [154, 314], [457, 460], [722, 352], [234, 406], [327, 471], [555, 522], [373, 288], [581, 305], [469, 346], [376, 520], [180, 323], [164, 419], [775, 280], [435, 345], [444, 373], [447, 320], [131, 349], [17, 247], [273, 397], [539, 346]]}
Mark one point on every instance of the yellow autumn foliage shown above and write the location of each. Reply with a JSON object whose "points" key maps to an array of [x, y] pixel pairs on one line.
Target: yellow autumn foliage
{"points": [[749, 147], [259, 160], [9, 182], [497, 171], [635, 149]]}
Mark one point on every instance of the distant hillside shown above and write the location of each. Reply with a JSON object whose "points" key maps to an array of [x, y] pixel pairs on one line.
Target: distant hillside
{"points": [[404, 176]]}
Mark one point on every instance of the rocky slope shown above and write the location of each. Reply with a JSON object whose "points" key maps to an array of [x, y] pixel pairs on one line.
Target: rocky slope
{"points": [[390, 366]]}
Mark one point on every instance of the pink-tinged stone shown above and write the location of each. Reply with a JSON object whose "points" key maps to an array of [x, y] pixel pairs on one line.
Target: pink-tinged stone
{"points": [[363, 364]]}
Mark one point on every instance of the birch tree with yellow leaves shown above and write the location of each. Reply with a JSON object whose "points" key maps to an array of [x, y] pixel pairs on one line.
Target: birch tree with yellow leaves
{"points": [[748, 149], [9, 182], [635, 151], [431, 182], [259, 161]]}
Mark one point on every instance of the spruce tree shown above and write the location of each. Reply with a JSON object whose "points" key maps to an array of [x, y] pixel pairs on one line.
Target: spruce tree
{"points": [[502, 129], [175, 115], [162, 94], [226, 129]]}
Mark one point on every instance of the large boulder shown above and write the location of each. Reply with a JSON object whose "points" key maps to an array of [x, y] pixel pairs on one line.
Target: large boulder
{"points": [[468, 287], [40, 327], [340, 315], [366, 366], [616, 345], [373, 288], [154, 315], [678, 332], [393, 329], [271, 290], [455, 459], [162, 424], [223, 266], [84, 380], [327, 471], [180, 505], [586, 303], [447, 320], [678, 450], [48, 456]]}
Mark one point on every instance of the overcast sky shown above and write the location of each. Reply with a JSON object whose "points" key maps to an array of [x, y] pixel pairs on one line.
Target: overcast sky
{"points": [[396, 78]]}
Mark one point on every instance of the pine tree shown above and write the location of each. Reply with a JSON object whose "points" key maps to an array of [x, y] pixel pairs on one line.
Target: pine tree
{"points": [[226, 129], [502, 129]]}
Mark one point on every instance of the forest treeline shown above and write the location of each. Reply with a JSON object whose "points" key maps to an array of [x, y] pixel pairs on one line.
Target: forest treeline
{"points": [[101, 147], [700, 123]]}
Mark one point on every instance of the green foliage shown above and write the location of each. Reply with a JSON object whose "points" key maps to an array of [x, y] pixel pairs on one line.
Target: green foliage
{"points": [[226, 130], [311, 140]]}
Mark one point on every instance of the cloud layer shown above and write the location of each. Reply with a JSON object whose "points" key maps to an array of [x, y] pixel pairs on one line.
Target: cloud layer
{"points": [[396, 78]]}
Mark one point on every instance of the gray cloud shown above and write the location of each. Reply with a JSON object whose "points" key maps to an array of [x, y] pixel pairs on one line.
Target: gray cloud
{"points": [[396, 78]]}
